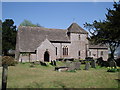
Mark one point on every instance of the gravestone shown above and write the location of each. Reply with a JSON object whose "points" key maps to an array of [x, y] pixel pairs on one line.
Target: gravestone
{"points": [[54, 63], [77, 65], [72, 66], [51, 62], [93, 64], [87, 65], [112, 63]]}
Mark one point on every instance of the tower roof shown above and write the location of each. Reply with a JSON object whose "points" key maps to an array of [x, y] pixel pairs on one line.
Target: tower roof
{"points": [[75, 28]]}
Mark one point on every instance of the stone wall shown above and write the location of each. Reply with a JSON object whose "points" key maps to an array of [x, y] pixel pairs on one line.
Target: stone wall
{"points": [[78, 45], [96, 53], [46, 46]]}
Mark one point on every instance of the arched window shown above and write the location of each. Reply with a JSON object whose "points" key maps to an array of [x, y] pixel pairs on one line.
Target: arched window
{"points": [[65, 50]]}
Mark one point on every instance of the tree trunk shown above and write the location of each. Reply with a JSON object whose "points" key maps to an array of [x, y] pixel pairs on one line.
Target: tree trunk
{"points": [[112, 55], [112, 62]]}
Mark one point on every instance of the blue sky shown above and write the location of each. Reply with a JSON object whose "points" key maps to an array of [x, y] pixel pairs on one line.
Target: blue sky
{"points": [[55, 14]]}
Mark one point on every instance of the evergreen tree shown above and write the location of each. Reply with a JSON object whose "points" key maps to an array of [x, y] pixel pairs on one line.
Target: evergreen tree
{"points": [[107, 31], [8, 36]]}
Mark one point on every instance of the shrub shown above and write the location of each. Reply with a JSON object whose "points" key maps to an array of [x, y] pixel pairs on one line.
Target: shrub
{"points": [[10, 61], [113, 69]]}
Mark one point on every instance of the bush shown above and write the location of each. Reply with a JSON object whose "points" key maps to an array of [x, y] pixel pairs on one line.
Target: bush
{"points": [[113, 69], [10, 61]]}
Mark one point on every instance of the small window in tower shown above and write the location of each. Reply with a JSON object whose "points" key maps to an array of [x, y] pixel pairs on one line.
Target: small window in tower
{"points": [[65, 50], [79, 37], [101, 52], [79, 53], [56, 50]]}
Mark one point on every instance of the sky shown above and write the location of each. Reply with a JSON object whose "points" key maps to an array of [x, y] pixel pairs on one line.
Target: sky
{"points": [[55, 14], [58, 15]]}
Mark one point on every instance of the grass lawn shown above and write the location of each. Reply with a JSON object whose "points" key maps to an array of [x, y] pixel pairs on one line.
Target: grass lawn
{"points": [[24, 76], [0, 76]]}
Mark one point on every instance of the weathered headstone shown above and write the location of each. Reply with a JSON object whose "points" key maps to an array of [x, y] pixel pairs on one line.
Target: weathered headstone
{"points": [[54, 63], [112, 63], [93, 64], [72, 66], [87, 65], [77, 65], [51, 62]]}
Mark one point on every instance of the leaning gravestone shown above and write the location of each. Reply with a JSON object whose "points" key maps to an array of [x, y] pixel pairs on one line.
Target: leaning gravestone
{"points": [[87, 65], [93, 64]]}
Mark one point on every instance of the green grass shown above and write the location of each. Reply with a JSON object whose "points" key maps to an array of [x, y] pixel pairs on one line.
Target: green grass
{"points": [[24, 76], [0, 76]]}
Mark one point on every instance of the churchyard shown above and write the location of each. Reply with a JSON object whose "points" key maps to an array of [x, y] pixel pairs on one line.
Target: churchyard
{"points": [[27, 75]]}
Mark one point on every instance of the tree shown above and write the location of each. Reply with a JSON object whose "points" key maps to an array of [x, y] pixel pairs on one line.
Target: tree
{"points": [[0, 37], [8, 35], [29, 23], [107, 31]]}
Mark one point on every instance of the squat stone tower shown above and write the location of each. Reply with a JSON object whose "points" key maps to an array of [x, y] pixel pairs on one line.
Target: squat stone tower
{"points": [[79, 43]]}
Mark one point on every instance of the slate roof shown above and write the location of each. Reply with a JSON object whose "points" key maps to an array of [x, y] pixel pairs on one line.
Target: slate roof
{"points": [[99, 46], [75, 28], [29, 38]]}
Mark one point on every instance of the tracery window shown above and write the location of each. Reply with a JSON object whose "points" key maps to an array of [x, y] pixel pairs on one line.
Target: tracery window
{"points": [[65, 50]]}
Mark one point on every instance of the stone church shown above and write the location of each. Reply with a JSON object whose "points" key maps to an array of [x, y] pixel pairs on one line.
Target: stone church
{"points": [[44, 44]]}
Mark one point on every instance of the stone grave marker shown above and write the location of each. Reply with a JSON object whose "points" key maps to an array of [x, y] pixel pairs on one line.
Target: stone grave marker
{"points": [[77, 65], [112, 63], [87, 65], [72, 66], [93, 64]]}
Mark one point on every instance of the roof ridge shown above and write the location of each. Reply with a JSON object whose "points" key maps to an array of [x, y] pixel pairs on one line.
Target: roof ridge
{"points": [[40, 27]]}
